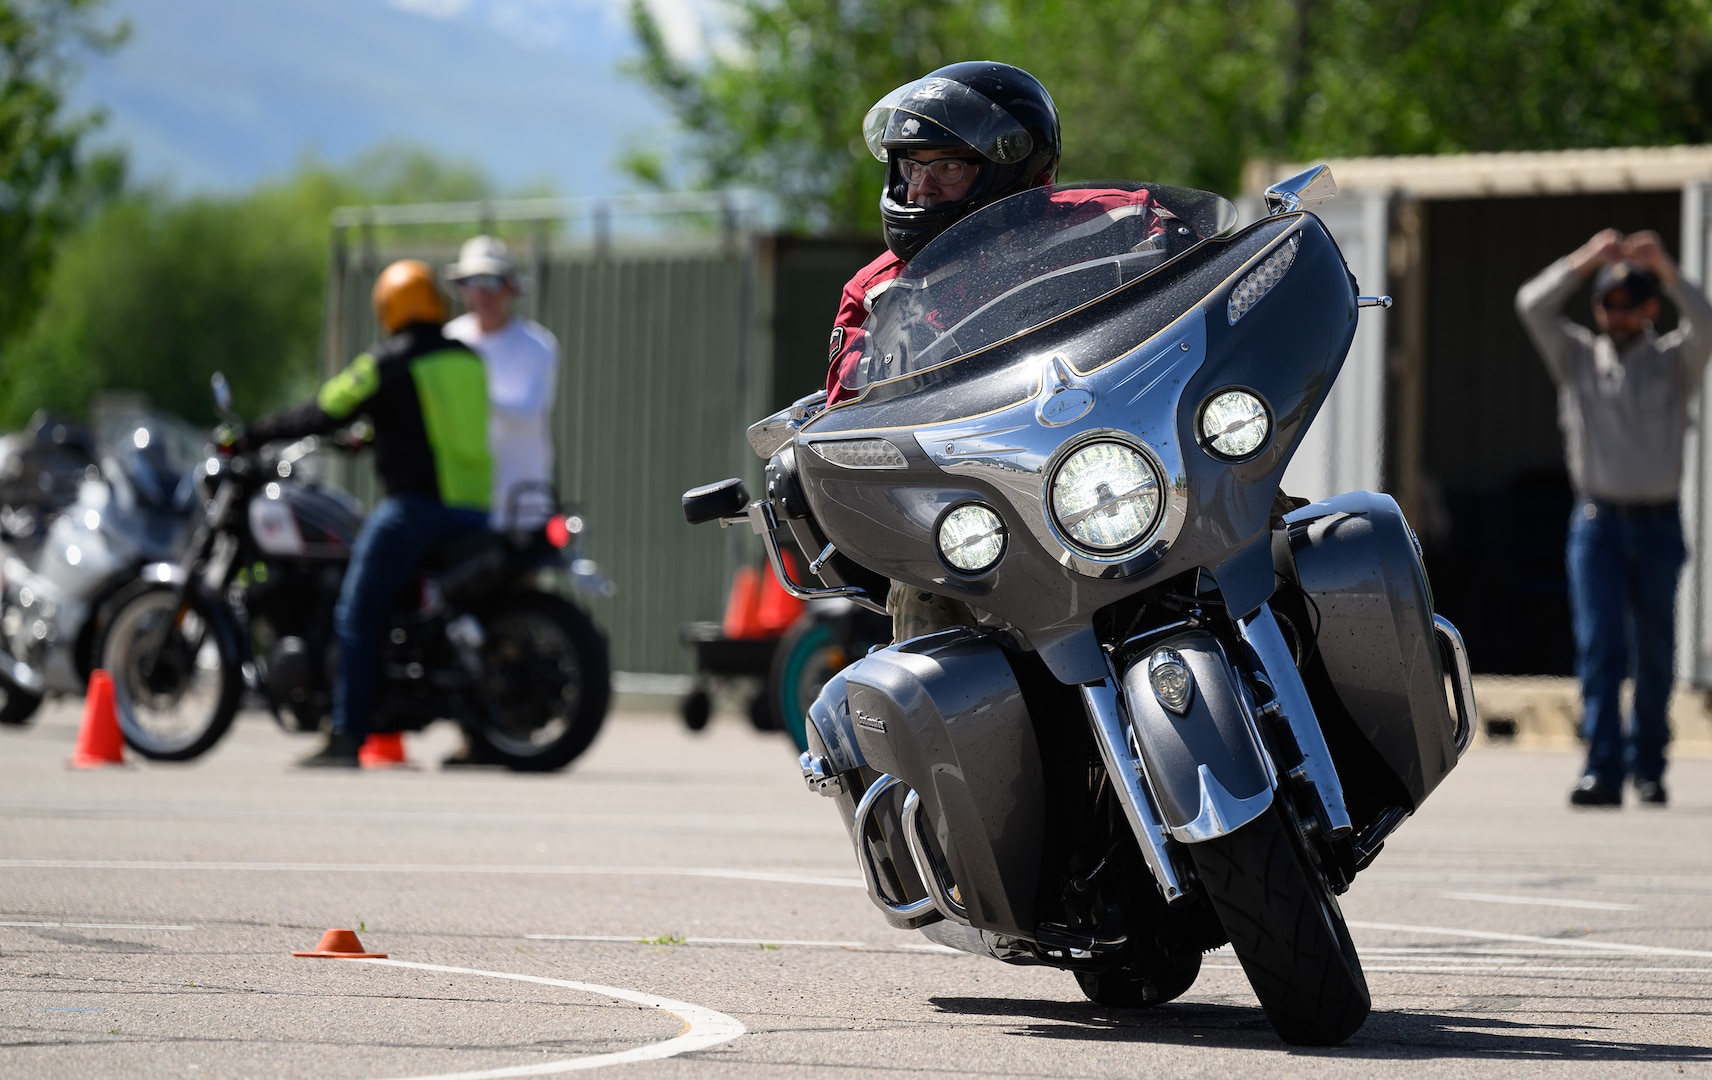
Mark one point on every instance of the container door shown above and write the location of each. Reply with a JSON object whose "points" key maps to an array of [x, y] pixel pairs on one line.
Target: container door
{"points": [[1694, 599], [1344, 448]]}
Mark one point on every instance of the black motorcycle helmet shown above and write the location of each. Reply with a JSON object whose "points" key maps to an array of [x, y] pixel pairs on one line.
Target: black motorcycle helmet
{"points": [[999, 111]]}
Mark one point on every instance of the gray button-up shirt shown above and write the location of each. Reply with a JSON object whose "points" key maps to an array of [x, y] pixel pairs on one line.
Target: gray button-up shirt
{"points": [[1624, 415]]}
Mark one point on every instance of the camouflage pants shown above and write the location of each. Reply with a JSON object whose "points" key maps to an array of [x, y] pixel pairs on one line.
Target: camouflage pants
{"points": [[916, 612]]}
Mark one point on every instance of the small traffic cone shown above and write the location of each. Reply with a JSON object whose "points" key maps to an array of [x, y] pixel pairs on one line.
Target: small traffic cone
{"points": [[383, 750], [341, 945], [99, 742]]}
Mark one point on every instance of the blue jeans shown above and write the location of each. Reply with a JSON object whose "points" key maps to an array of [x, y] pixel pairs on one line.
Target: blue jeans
{"points": [[1623, 569], [383, 560]]}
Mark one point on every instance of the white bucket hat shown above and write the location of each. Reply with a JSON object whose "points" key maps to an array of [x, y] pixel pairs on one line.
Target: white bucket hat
{"points": [[483, 255]]}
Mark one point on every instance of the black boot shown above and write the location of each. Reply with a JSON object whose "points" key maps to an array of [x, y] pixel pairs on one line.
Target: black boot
{"points": [[339, 753]]}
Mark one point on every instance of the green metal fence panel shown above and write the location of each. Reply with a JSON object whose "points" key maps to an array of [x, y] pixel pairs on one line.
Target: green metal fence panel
{"points": [[659, 375]]}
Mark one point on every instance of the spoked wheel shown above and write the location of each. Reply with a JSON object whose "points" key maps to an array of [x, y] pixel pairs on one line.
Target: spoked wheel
{"points": [[1141, 987], [545, 686], [1286, 929], [176, 682]]}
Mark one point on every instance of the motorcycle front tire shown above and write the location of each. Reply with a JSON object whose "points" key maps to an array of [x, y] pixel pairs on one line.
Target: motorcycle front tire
{"points": [[136, 617], [543, 654], [1286, 929], [17, 706]]}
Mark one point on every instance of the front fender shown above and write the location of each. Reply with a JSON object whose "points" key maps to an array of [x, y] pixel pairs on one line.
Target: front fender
{"points": [[1207, 769]]}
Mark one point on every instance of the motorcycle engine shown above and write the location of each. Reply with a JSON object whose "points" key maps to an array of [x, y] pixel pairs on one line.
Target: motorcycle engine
{"points": [[292, 673]]}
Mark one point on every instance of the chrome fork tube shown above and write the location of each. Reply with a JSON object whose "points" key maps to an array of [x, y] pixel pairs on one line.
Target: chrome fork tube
{"points": [[1261, 632], [1111, 735]]}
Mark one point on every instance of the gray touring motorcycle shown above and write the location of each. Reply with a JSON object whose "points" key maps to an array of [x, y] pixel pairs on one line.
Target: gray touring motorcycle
{"points": [[1189, 710]]}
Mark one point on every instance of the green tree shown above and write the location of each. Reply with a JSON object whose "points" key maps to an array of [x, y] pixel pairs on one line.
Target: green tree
{"points": [[1184, 92], [784, 114], [45, 181], [157, 293]]}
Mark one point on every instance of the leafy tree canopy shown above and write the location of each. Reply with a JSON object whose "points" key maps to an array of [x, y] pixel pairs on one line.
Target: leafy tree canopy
{"points": [[1181, 92], [45, 183], [157, 292]]}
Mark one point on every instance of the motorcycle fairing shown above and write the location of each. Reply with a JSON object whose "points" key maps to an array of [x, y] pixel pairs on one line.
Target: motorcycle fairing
{"points": [[1147, 354], [945, 714], [1206, 768], [1354, 556]]}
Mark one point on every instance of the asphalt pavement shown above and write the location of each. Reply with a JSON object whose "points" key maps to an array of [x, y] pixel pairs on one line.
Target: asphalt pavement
{"points": [[678, 905]]}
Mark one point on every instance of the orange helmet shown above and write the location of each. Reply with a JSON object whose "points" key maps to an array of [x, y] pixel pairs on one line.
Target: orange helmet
{"points": [[405, 292]]}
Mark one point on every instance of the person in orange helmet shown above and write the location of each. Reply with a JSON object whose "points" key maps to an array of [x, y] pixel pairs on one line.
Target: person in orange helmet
{"points": [[426, 398]]}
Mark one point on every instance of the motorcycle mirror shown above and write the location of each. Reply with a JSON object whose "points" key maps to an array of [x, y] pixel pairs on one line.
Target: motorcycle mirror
{"points": [[1309, 187], [222, 395], [767, 437]]}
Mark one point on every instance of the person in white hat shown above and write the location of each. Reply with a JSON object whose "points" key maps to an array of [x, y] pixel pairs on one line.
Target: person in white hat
{"points": [[522, 359]]}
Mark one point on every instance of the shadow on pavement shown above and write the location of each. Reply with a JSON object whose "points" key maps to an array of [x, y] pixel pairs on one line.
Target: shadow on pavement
{"points": [[1386, 1036]]}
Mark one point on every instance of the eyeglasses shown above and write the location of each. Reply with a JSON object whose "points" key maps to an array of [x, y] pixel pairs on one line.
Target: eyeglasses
{"points": [[943, 170], [489, 282]]}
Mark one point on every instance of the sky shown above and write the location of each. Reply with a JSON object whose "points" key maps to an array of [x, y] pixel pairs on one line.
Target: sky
{"points": [[214, 95]]}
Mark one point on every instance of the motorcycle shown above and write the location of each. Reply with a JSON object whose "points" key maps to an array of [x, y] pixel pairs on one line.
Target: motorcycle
{"points": [[64, 562], [1189, 711], [480, 639]]}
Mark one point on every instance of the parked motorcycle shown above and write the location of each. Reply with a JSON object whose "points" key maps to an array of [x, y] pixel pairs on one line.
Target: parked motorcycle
{"points": [[1188, 713], [480, 639], [63, 562]]}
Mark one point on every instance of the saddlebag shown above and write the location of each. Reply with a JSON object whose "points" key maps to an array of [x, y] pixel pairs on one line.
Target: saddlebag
{"points": [[945, 715], [1367, 624]]}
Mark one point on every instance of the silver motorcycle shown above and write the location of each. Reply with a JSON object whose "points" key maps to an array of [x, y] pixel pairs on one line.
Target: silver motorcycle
{"points": [[1184, 709], [61, 569]]}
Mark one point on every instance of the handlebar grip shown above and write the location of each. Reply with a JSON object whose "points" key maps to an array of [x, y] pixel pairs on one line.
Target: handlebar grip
{"points": [[710, 502]]}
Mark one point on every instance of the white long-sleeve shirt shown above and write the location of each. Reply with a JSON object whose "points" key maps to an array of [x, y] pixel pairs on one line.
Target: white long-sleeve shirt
{"points": [[1624, 414], [522, 361]]}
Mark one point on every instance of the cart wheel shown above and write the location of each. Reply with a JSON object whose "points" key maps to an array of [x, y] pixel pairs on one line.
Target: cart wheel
{"points": [[696, 708], [761, 711]]}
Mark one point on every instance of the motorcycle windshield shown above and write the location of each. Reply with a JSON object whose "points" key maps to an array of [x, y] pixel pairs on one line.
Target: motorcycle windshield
{"points": [[1022, 262]]}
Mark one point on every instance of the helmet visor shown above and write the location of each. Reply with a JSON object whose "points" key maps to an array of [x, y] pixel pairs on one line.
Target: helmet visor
{"points": [[923, 112]]}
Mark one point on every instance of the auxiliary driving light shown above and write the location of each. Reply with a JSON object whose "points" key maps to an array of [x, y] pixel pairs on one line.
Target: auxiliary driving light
{"points": [[1234, 424], [972, 538], [1106, 496]]}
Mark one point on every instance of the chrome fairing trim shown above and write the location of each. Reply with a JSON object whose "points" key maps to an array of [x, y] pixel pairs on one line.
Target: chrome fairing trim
{"points": [[935, 877], [907, 916], [1462, 682], [1015, 449], [1261, 632], [1129, 783]]}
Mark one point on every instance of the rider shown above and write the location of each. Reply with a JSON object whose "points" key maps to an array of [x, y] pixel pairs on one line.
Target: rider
{"points": [[426, 398], [958, 139]]}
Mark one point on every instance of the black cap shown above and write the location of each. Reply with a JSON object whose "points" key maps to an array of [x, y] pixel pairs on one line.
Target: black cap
{"points": [[1634, 281]]}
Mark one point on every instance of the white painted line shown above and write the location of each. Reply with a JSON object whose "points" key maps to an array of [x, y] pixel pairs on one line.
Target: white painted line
{"points": [[703, 1027], [781, 877], [1573, 943], [1540, 901], [859, 946], [703, 941], [1505, 969], [96, 926]]}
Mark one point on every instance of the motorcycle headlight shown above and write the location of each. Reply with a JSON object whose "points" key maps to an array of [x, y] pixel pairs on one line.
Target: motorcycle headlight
{"points": [[1105, 496], [971, 538], [1234, 424]]}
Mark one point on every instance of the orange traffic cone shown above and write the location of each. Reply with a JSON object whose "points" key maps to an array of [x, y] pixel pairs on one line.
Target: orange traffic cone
{"points": [[383, 750], [99, 742], [341, 945]]}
